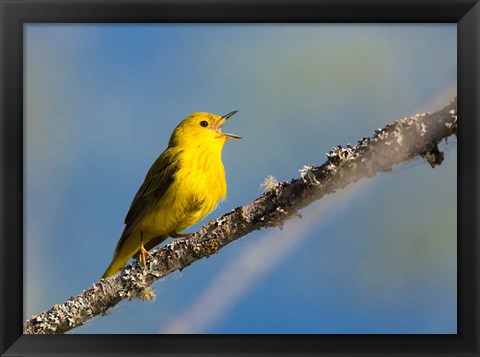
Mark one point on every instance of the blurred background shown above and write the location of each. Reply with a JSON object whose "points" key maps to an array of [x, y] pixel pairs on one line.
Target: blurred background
{"points": [[102, 100]]}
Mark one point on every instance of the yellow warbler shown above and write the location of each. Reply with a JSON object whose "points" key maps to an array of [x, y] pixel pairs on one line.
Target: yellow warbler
{"points": [[184, 184]]}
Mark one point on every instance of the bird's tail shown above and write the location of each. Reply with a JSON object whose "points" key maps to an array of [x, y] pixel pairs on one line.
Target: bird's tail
{"points": [[126, 248], [114, 267], [129, 248]]}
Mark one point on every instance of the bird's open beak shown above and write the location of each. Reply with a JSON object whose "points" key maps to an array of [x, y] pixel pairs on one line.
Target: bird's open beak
{"points": [[218, 125]]}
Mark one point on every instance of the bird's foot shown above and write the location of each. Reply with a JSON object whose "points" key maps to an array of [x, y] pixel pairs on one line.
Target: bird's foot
{"points": [[142, 255]]}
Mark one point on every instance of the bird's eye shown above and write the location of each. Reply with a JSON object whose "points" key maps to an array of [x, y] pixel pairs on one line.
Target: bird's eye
{"points": [[204, 123]]}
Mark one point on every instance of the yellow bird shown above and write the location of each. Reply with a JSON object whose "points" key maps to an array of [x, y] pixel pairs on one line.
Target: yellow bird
{"points": [[184, 184]]}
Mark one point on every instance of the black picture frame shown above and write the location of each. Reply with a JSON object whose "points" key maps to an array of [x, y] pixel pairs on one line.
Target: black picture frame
{"points": [[15, 13]]}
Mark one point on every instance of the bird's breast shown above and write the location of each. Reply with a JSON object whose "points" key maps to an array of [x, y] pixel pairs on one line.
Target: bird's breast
{"points": [[203, 175], [199, 185]]}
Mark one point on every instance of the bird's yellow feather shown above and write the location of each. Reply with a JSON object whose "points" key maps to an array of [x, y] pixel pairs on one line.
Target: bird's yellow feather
{"points": [[183, 185]]}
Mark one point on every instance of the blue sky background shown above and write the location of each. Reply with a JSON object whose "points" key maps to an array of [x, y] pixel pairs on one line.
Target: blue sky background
{"points": [[102, 100]]}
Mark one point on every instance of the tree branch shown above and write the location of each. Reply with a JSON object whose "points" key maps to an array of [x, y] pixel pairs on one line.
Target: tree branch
{"points": [[397, 142]]}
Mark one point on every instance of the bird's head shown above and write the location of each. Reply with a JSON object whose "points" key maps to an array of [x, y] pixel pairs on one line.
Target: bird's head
{"points": [[202, 127]]}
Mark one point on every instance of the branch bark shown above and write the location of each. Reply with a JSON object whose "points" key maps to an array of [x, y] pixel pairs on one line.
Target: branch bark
{"points": [[397, 142]]}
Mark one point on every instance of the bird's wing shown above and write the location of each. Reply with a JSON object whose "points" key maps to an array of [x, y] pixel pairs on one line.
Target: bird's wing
{"points": [[159, 178]]}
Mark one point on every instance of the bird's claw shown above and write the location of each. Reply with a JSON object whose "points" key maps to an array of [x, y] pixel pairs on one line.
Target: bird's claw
{"points": [[142, 255]]}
